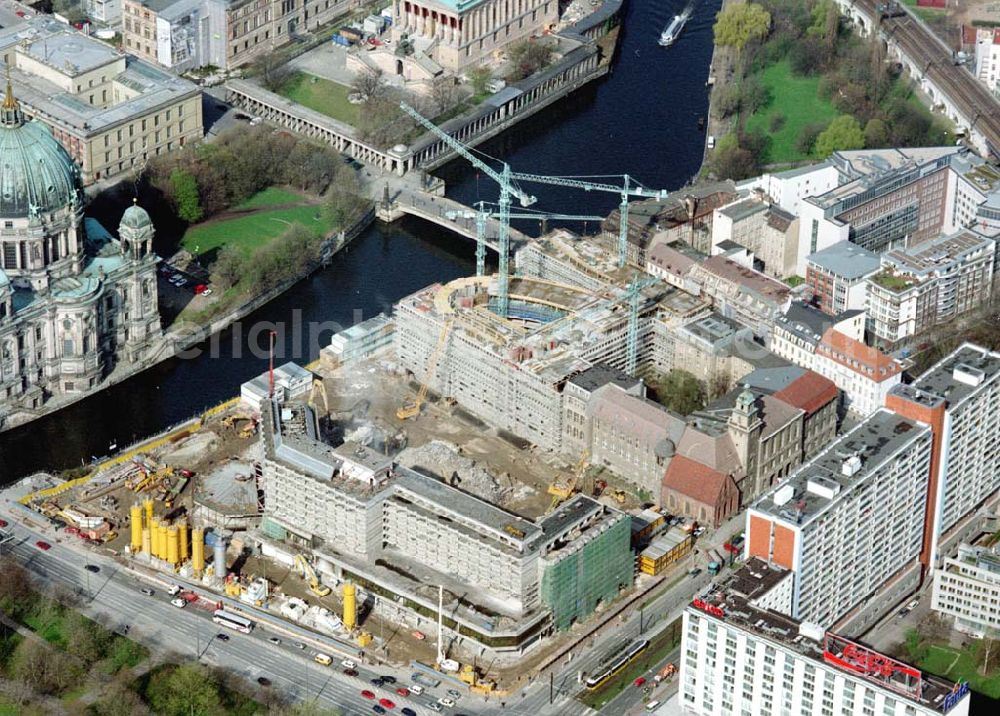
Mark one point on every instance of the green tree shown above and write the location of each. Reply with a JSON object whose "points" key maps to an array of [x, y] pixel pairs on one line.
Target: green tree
{"points": [[186, 197], [679, 391], [738, 25], [876, 133], [844, 132], [228, 267], [85, 639], [479, 78], [825, 22], [731, 160], [916, 648], [187, 690]]}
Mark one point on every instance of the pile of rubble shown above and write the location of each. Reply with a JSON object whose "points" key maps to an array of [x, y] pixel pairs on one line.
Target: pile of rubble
{"points": [[444, 460]]}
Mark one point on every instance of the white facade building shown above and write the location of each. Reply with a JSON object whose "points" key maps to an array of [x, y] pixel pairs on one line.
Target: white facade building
{"points": [[864, 374], [967, 589], [738, 656], [787, 189]]}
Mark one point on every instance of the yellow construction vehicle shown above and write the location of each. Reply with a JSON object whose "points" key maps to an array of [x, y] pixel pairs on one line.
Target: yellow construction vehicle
{"points": [[468, 675], [315, 586], [319, 387], [513, 531], [561, 492], [411, 410], [619, 496]]}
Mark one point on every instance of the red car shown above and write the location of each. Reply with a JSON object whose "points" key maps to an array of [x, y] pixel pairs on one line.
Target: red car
{"points": [[368, 694], [640, 681], [44, 546], [350, 672], [403, 691], [386, 704], [3, 523]]}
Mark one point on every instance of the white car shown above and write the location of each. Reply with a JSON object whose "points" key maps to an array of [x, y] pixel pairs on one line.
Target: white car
{"points": [[445, 701], [416, 689], [348, 664], [434, 706], [174, 590], [178, 602]]}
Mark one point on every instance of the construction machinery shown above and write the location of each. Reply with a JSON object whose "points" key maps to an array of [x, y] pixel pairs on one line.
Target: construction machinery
{"points": [[619, 496], [504, 178], [468, 674], [562, 491], [482, 215], [628, 188], [315, 586], [599, 487], [513, 531], [175, 491], [411, 410], [319, 387]]}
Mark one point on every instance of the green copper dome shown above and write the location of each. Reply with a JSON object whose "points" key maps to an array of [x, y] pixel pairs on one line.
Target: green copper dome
{"points": [[36, 173], [136, 217]]}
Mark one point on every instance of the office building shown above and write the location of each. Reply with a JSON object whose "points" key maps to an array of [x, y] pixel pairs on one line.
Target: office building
{"points": [[967, 590], [741, 655], [855, 509], [797, 333], [769, 233], [111, 111], [864, 374], [933, 283], [837, 276], [748, 296]]}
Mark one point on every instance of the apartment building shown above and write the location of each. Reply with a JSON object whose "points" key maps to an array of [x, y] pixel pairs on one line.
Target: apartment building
{"points": [[967, 589], [932, 283], [850, 519], [184, 34], [836, 276], [797, 332], [741, 655], [787, 189], [748, 296], [105, 12], [958, 398], [765, 230], [111, 111], [864, 374], [985, 43]]}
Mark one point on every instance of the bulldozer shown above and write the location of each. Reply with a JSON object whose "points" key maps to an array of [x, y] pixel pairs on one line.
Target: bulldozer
{"points": [[315, 586]]}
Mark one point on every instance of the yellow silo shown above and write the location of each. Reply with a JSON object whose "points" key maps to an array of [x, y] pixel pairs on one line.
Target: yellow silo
{"points": [[364, 639], [184, 541], [135, 517], [147, 541], [350, 606], [173, 546], [148, 504], [154, 538], [198, 551], [163, 540]]}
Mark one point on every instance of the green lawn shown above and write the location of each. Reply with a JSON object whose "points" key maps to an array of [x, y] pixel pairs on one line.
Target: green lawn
{"points": [[253, 230], [50, 629], [321, 95], [797, 98], [9, 709], [272, 196], [939, 659]]}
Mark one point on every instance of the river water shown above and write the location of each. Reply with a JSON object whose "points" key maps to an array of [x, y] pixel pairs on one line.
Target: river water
{"points": [[641, 119]]}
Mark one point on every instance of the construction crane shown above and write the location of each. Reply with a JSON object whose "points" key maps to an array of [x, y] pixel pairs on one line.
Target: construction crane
{"points": [[319, 387], [632, 294], [315, 586], [481, 215], [561, 492], [626, 190], [507, 189], [411, 410]]}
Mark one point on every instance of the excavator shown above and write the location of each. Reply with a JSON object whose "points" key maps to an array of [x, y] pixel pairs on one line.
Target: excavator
{"points": [[412, 410], [315, 586], [319, 387], [562, 492]]}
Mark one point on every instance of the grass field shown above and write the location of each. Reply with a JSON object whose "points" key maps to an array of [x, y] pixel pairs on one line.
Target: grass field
{"points": [[49, 627], [797, 98], [272, 196], [941, 660], [252, 231], [321, 95]]}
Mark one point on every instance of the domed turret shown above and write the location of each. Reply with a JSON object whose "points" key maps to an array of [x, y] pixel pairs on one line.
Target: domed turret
{"points": [[36, 173], [136, 231], [135, 217]]}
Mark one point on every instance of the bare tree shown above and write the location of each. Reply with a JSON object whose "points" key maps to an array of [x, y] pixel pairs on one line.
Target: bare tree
{"points": [[443, 94], [370, 84], [272, 70], [15, 587]]}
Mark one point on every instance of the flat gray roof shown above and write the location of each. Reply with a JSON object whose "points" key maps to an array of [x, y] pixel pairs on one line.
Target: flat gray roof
{"points": [[874, 440], [970, 360], [847, 260]]}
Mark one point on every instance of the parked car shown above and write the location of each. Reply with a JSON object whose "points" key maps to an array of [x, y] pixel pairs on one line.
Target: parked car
{"points": [[222, 637], [639, 682], [350, 672], [3, 523], [348, 664], [92, 568], [454, 694], [368, 694], [434, 706], [299, 645], [378, 709], [387, 703], [694, 572], [44, 546], [274, 640], [388, 679], [416, 689], [403, 691], [445, 701], [147, 591], [407, 711], [178, 602]]}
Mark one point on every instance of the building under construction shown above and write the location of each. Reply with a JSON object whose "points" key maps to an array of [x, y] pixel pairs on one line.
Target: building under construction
{"points": [[402, 534]]}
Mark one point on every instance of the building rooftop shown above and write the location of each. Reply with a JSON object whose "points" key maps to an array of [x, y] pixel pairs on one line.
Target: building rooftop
{"points": [[957, 375], [597, 376], [810, 392], [714, 329], [72, 53], [846, 260], [748, 279], [864, 360], [640, 417], [666, 542], [695, 480], [733, 599], [742, 209], [830, 476], [935, 256]]}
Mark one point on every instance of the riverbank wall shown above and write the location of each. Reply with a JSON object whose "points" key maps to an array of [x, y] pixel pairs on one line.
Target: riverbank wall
{"points": [[178, 340]]}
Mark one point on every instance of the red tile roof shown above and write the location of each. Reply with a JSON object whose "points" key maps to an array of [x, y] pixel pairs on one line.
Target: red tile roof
{"points": [[810, 392], [864, 360], [697, 481], [968, 35]]}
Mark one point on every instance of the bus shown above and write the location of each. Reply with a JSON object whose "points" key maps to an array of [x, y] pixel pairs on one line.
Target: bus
{"points": [[232, 621], [623, 660]]}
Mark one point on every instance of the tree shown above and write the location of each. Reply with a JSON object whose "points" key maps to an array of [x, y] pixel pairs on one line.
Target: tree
{"points": [[844, 132], [876, 133], [185, 191], [730, 160], [738, 25], [679, 391], [228, 267], [988, 653], [806, 141], [480, 77], [273, 71], [44, 669], [85, 639], [370, 84], [443, 93], [527, 58], [120, 700], [916, 648], [826, 22], [187, 690], [15, 587]]}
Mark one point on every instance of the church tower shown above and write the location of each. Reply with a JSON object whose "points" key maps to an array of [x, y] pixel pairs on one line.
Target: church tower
{"points": [[745, 427]]}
